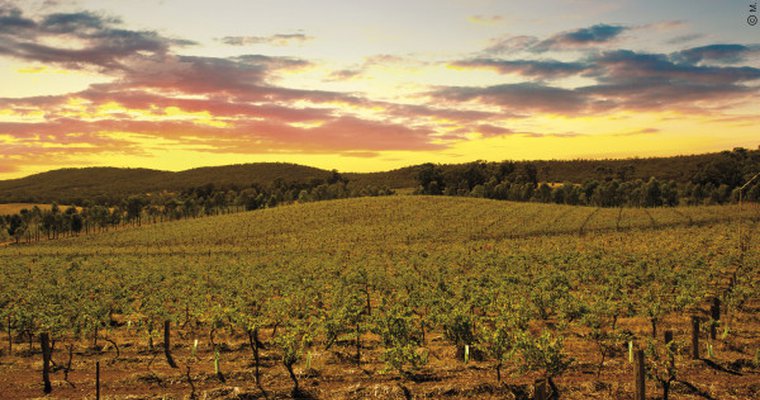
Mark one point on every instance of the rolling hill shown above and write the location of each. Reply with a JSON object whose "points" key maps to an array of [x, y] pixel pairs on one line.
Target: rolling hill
{"points": [[72, 185], [75, 185], [367, 221]]}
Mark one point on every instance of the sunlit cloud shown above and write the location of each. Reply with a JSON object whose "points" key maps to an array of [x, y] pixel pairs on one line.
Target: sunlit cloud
{"points": [[144, 94]]}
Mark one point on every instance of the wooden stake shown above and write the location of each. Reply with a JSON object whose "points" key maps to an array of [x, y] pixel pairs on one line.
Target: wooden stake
{"points": [[695, 338], [540, 391], [639, 377], [97, 380], [45, 346], [715, 314]]}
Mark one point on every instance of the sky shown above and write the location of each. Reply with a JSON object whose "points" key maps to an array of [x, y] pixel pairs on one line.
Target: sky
{"points": [[360, 85]]}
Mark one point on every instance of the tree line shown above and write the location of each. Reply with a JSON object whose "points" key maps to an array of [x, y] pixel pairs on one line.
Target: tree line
{"points": [[91, 216], [717, 181]]}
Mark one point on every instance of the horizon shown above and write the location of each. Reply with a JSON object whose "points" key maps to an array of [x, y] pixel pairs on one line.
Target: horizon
{"points": [[370, 87], [376, 171]]}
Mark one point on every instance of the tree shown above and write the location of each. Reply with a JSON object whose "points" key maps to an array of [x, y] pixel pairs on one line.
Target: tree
{"points": [[651, 193], [16, 227], [336, 177], [430, 179], [134, 207], [543, 194]]}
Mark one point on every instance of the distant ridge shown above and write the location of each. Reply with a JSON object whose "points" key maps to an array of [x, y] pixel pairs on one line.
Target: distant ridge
{"points": [[73, 185]]}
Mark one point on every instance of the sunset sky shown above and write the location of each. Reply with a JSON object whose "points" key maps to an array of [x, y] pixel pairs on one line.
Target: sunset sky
{"points": [[370, 85]]}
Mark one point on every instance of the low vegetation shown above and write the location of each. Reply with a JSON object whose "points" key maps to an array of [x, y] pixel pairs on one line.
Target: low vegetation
{"points": [[403, 296]]}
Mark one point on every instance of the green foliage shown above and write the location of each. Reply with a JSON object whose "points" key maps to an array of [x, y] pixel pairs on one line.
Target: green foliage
{"points": [[544, 354], [660, 363], [503, 327], [348, 310], [458, 327], [400, 341], [292, 343], [700, 179], [304, 275]]}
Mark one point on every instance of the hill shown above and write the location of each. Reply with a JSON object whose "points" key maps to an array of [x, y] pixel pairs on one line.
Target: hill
{"points": [[368, 221], [73, 185], [76, 185], [680, 169]]}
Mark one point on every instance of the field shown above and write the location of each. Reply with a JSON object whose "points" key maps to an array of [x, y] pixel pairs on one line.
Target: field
{"points": [[408, 283]]}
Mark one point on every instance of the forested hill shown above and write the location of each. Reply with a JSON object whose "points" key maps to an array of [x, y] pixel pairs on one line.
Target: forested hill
{"points": [[75, 185], [104, 183], [680, 168]]}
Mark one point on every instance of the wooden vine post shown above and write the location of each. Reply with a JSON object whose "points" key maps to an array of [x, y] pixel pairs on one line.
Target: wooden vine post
{"points": [[540, 391], [715, 315], [97, 380], [639, 375], [695, 337], [46, 352]]}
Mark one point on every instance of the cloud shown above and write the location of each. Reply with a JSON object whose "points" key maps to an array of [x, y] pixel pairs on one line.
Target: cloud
{"points": [[357, 71], [82, 23], [247, 75], [520, 97], [541, 69], [511, 44], [7, 167], [485, 130], [238, 104], [12, 20], [625, 80], [719, 53], [582, 38], [639, 132], [579, 39], [345, 74], [90, 40], [641, 81], [626, 66], [685, 38], [279, 40], [437, 113]]}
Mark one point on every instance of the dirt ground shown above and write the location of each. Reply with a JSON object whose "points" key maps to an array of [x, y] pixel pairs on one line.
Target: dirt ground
{"points": [[732, 373]]}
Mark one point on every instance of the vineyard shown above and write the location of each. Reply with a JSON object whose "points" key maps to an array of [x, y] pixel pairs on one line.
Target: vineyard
{"points": [[391, 297]]}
